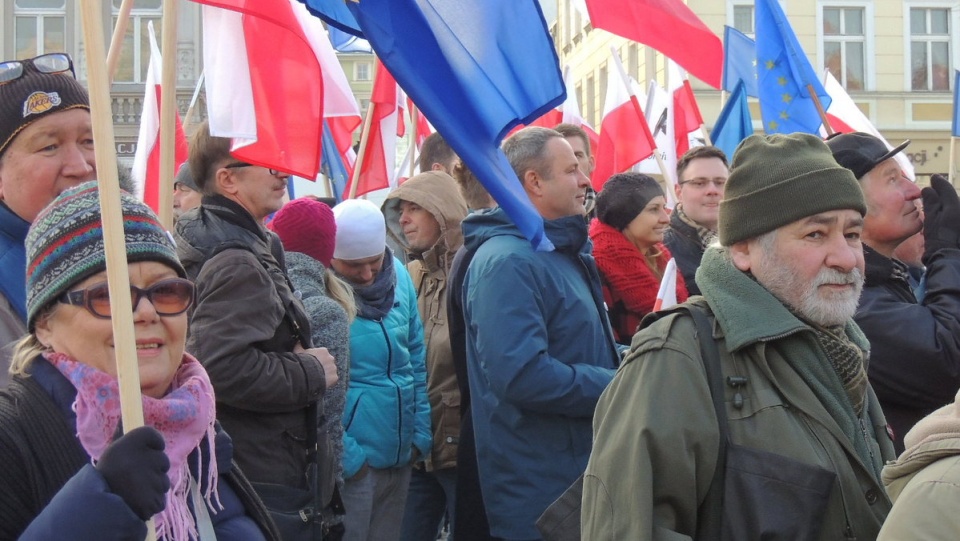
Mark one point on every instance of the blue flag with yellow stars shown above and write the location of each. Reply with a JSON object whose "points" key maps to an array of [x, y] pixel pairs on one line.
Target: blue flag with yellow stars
{"points": [[784, 75]]}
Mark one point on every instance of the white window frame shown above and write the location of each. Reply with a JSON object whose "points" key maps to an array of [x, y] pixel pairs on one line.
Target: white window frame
{"points": [[954, 9], [356, 71], [742, 3], [41, 14], [137, 16], [869, 39]]}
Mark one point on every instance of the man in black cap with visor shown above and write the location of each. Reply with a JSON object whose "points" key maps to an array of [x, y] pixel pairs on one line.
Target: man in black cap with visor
{"points": [[914, 364]]}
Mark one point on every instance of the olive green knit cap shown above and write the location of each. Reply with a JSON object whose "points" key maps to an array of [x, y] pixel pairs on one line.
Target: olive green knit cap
{"points": [[778, 179]]}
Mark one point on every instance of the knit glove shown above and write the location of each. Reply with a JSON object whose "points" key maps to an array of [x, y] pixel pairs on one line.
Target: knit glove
{"points": [[941, 226], [135, 468]]}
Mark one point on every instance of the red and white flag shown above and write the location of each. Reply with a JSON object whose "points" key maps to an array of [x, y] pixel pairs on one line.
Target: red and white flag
{"points": [[264, 84], [667, 296], [146, 160], [379, 159], [659, 113], [846, 117], [571, 111], [686, 114], [625, 139]]}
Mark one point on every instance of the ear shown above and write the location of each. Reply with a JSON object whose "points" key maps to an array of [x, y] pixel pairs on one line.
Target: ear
{"points": [[225, 181], [42, 329], [438, 167], [532, 182], [676, 190], [740, 254]]}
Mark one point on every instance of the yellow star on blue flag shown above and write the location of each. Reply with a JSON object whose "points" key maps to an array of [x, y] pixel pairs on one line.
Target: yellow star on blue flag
{"points": [[786, 105]]}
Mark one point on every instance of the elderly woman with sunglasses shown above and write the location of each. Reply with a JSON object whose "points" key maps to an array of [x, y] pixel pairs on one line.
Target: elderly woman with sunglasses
{"points": [[65, 468]]}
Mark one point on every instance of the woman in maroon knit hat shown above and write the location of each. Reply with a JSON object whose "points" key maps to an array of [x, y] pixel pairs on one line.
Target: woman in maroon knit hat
{"points": [[628, 245]]}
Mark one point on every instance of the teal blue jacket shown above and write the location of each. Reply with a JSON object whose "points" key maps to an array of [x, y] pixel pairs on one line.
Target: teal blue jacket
{"points": [[387, 412]]}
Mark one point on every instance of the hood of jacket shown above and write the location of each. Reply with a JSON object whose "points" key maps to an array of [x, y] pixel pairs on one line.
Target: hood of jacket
{"points": [[936, 436], [568, 234], [438, 194]]}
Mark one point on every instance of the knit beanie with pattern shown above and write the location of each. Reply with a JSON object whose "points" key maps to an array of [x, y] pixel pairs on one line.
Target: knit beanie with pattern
{"points": [[306, 226], [623, 197], [36, 95], [65, 244], [778, 179]]}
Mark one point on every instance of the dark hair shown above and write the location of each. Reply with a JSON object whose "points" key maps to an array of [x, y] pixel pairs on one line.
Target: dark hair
{"points": [[696, 153], [435, 150], [206, 153], [572, 130]]}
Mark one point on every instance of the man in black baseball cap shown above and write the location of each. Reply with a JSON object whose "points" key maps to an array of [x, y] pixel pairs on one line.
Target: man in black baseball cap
{"points": [[915, 347]]}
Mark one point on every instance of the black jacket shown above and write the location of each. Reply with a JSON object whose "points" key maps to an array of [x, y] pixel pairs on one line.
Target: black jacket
{"points": [[243, 328], [914, 347], [684, 243]]}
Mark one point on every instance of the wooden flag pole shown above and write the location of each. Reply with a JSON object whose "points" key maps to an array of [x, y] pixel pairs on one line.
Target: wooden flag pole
{"points": [[413, 138], [116, 41], [820, 111], [193, 102], [118, 277], [168, 113], [706, 138], [364, 135]]}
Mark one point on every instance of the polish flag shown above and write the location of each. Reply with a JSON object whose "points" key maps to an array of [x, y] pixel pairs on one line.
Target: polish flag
{"points": [[146, 161], [424, 128], [264, 83], [686, 114], [377, 170], [571, 111], [846, 117], [625, 139], [667, 296], [659, 113]]}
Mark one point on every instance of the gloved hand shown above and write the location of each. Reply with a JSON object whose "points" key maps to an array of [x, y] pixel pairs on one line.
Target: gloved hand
{"points": [[941, 226], [135, 468]]}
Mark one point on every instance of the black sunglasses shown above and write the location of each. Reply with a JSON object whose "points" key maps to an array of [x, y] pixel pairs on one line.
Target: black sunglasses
{"points": [[169, 297], [237, 165], [52, 63]]}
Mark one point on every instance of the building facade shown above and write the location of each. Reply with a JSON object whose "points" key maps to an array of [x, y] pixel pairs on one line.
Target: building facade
{"points": [[896, 59]]}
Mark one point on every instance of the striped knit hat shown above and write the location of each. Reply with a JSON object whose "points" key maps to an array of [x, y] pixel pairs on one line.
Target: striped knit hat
{"points": [[65, 244]]}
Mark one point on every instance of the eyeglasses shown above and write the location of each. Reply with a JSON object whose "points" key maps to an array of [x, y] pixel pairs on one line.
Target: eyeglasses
{"points": [[700, 183], [237, 165], [169, 297], [52, 63]]}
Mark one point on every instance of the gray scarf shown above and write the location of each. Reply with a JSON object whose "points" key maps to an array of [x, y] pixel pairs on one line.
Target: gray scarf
{"points": [[375, 300]]}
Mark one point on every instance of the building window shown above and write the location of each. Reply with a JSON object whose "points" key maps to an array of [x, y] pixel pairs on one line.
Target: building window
{"points": [[361, 71], [743, 17], [602, 94], [844, 45], [135, 51], [591, 104], [39, 27], [930, 62], [633, 61]]}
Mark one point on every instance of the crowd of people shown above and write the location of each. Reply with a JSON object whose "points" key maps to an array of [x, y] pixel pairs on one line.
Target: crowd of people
{"points": [[312, 370]]}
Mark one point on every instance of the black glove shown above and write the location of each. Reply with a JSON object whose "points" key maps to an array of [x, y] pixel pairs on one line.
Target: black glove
{"points": [[941, 225], [135, 467]]}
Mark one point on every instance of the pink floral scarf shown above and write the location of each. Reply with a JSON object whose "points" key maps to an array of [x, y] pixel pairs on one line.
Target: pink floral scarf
{"points": [[185, 416]]}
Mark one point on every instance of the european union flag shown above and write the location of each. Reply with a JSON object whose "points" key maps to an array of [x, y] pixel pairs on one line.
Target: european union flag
{"points": [[476, 68], [956, 103], [331, 165], [734, 123], [784, 75], [335, 13], [739, 61]]}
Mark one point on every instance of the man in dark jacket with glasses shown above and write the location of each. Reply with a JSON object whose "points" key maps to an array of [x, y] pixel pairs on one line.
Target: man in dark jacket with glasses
{"points": [[46, 146]]}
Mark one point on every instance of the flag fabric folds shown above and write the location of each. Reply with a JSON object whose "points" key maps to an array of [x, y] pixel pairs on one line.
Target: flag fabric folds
{"points": [[667, 296], [668, 26], [146, 161], [476, 68], [331, 164], [734, 123], [658, 110], [845, 117], [380, 154], [336, 14], [687, 119], [956, 101], [625, 139], [739, 61], [260, 54], [783, 75], [571, 111]]}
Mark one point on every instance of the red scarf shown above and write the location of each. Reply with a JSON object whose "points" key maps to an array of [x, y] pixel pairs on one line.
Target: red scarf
{"points": [[630, 286]]}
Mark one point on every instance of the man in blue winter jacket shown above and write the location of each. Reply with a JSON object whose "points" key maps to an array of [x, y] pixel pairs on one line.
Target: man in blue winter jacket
{"points": [[539, 346]]}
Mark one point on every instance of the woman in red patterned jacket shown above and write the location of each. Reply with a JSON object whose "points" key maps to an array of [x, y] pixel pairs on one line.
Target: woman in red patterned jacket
{"points": [[628, 245]]}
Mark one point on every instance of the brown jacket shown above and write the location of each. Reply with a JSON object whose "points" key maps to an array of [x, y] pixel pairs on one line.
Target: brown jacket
{"points": [[437, 193]]}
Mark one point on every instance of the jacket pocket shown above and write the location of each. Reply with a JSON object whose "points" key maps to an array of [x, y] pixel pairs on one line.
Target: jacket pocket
{"points": [[772, 497], [450, 417], [351, 411]]}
